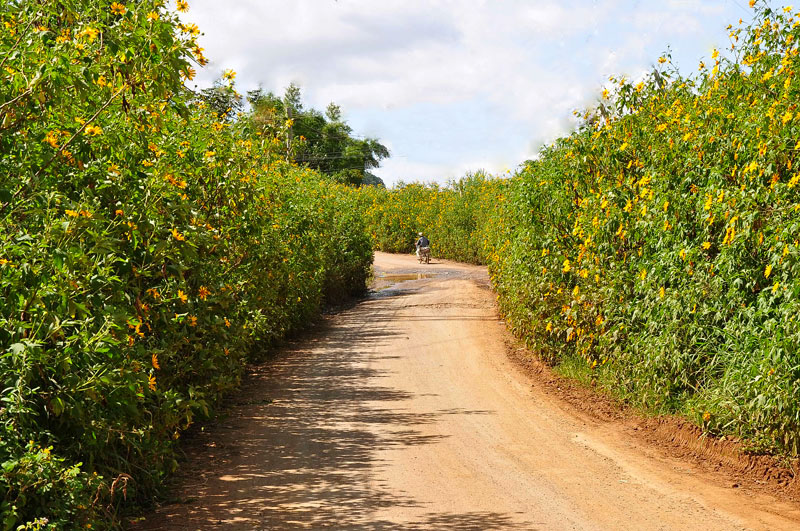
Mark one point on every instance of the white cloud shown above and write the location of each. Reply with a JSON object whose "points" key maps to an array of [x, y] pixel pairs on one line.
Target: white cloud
{"points": [[523, 65]]}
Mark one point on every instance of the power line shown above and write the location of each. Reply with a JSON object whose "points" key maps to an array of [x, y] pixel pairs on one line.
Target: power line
{"points": [[740, 6]]}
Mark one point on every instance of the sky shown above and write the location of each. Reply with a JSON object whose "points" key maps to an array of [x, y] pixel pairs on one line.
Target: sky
{"points": [[452, 86]]}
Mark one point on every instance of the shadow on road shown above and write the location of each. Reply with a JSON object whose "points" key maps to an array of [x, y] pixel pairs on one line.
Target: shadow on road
{"points": [[299, 447]]}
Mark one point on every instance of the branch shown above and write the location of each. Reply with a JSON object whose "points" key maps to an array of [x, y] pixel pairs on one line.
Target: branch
{"points": [[64, 146], [79, 131], [9, 52], [6, 104]]}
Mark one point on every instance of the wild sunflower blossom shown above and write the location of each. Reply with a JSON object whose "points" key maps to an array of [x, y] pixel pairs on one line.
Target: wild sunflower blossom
{"points": [[93, 130], [118, 9]]}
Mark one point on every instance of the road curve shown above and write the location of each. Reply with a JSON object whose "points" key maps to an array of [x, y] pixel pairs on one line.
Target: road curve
{"points": [[404, 412]]}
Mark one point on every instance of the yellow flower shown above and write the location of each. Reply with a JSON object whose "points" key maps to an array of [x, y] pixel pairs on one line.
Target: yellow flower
{"points": [[183, 6], [89, 33], [624, 146], [776, 286], [707, 414], [151, 382], [643, 274], [767, 271], [567, 266], [706, 245], [52, 138], [752, 3], [662, 60], [154, 361], [177, 235], [118, 9], [3, 261], [192, 320], [152, 16], [661, 292], [203, 292], [119, 212], [227, 323], [182, 296], [93, 130], [229, 75], [193, 29], [71, 213], [101, 81], [189, 73]]}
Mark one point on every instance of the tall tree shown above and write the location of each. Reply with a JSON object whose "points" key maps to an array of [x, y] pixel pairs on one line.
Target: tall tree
{"points": [[324, 142], [224, 99]]}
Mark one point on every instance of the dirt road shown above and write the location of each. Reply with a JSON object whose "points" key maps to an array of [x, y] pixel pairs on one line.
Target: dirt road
{"points": [[404, 412]]}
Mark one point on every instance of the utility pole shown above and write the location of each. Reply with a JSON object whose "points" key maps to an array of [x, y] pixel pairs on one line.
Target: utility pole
{"points": [[289, 135]]}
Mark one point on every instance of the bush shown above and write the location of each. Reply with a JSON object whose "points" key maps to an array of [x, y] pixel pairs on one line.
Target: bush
{"points": [[146, 249], [659, 242], [657, 246], [455, 217]]}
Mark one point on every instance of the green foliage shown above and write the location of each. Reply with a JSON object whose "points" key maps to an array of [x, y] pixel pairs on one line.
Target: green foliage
{"points": [[321, 142], [661, 242], [146, 248], [657, 246], [223, 99], [455, 217]]}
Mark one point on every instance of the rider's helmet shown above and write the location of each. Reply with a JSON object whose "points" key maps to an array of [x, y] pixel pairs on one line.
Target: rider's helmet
{"points": [[420, 234]]}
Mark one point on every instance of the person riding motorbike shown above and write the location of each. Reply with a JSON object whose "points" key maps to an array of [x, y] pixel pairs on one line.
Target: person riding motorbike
{"points": [[421, 242]]}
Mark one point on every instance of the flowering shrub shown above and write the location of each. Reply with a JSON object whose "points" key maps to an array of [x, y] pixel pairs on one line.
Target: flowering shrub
{"points": [[456, 218], [145, 249], [655, 250], [659, 243]]}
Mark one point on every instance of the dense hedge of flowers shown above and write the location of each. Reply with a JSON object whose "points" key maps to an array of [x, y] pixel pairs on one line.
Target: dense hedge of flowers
{"points": [[659, 243], [145, 249], [655, 250], [456, 217]]}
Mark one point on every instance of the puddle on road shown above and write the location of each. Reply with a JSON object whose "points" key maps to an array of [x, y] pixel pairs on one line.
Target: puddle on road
{"points": [[394, 279], [383, 281]]}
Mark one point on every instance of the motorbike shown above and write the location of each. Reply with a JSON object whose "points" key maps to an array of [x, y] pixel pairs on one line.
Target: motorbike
{"points": [[425, 255]]}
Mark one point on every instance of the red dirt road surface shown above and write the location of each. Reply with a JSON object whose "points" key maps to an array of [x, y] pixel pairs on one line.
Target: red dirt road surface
{"points": [[405, 412]]}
